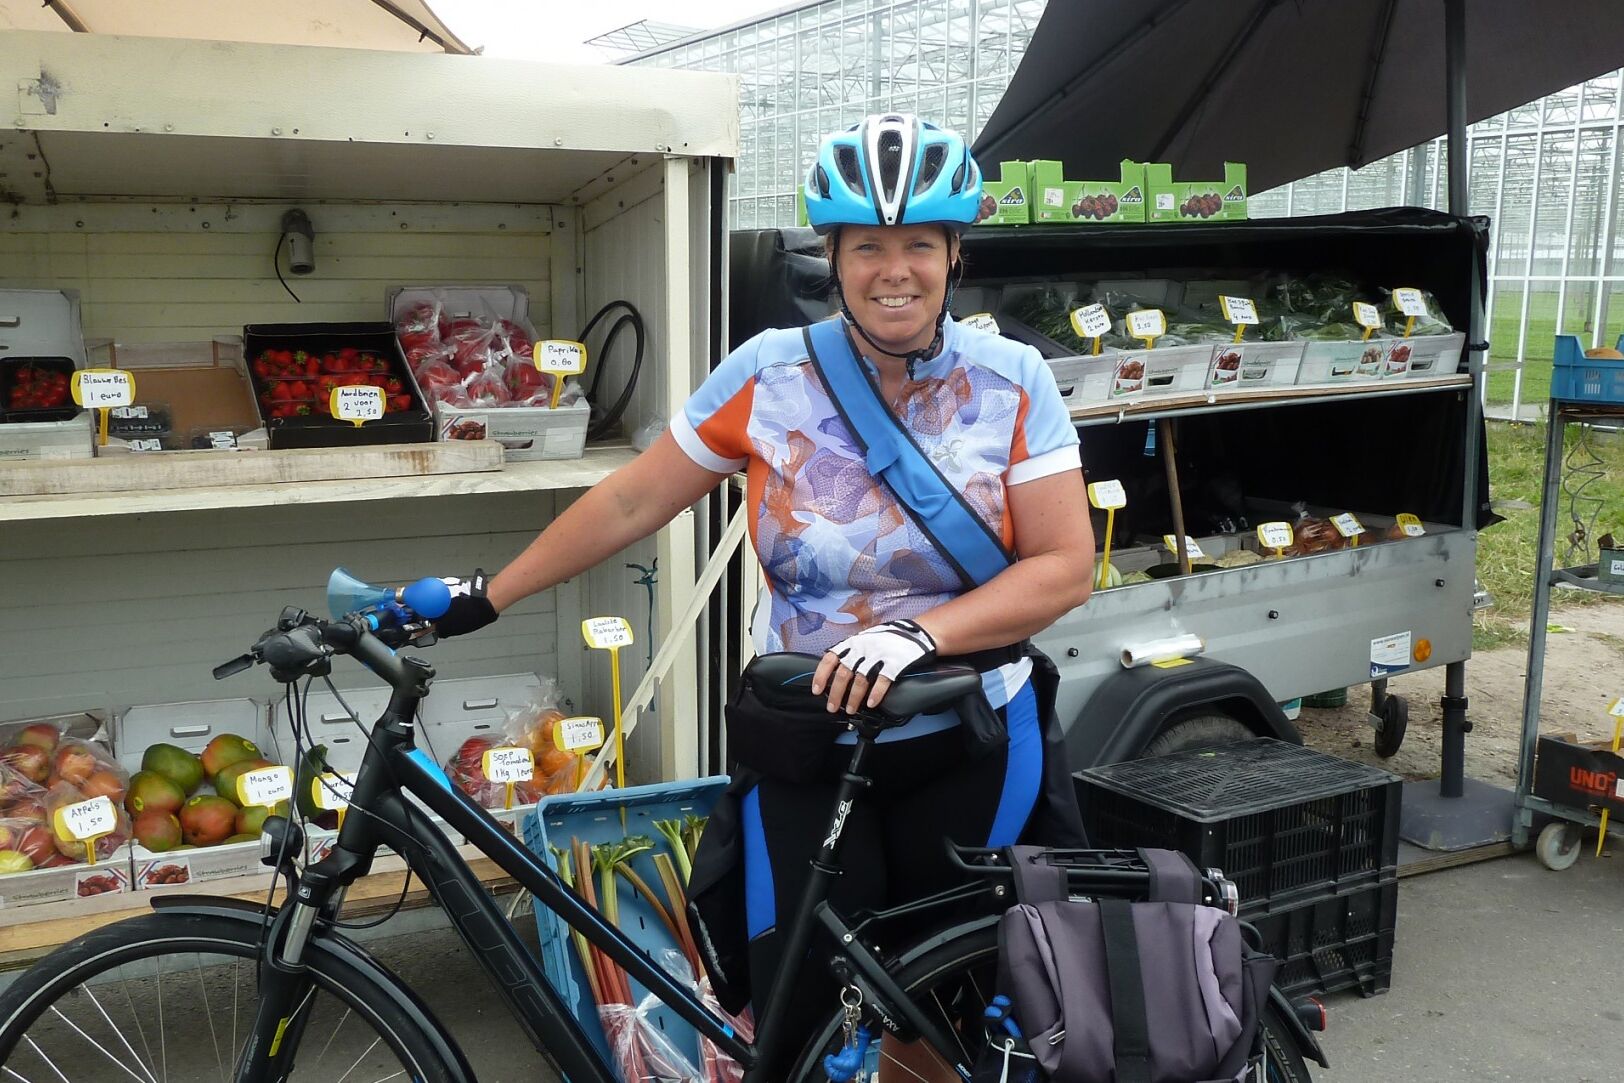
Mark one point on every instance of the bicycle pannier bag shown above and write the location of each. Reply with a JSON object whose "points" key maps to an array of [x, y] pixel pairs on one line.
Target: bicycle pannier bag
{"points": [[1111, 991]]}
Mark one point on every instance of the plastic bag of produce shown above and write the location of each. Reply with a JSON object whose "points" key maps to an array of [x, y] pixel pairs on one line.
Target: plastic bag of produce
{"points": [[26, 843], [514, 342], [641, 1052], [533, 726], [90, 768], [421, 356], [474, 349], [419, 325], [526, 385], [438, 380], [1433, 323], [716, 1065], [487, 387], [20, 795], [64, 793], [29, 751], [1313, 535]]}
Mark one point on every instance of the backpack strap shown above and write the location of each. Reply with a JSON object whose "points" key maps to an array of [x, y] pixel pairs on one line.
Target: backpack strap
{"points": [[1036, 880], [1173, 876], [936, 507], [1130, 1027]]}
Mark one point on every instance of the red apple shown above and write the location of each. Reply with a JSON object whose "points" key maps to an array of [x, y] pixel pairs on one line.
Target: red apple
{"points": [[30, 761], [38, 843], [40, 734], [75, 763]]}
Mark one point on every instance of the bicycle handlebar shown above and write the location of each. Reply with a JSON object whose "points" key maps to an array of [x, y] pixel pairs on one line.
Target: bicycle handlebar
{"points": [[302, 645]]}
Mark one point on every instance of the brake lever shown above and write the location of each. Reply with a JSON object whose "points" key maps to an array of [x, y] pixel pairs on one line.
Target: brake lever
{"points": [[233, 667]]}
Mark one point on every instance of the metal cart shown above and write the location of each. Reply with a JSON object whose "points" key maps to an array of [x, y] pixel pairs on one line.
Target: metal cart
{"points": [[1557, 845]]}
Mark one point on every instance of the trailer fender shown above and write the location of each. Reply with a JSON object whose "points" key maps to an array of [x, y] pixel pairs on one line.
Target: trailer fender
{"points": [[1132, 706]]}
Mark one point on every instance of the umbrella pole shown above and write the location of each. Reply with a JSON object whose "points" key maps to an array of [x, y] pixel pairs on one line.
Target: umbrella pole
{"points": [[1164, 436], [1455, 74]]}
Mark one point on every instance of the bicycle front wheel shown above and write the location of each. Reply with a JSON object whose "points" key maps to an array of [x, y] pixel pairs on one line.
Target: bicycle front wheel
{"points": [[953, 983], [171, 997]]}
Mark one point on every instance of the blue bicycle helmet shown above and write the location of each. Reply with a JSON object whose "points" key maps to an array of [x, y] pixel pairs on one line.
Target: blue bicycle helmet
{"points": [[893, 170]]}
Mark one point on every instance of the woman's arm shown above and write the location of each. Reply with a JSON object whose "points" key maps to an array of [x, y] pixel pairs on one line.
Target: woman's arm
{"points": [[1052, 575], [625, 507]]}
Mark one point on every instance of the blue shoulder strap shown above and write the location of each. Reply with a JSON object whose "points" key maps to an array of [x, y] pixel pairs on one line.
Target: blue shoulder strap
{"points": [[892, 456]]}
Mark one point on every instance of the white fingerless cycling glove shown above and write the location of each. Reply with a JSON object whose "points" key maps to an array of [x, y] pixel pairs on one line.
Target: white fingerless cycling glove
{"points": [[885, 650]]}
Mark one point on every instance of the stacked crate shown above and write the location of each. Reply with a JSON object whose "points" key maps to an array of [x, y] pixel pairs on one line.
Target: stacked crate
{"points": [[1310, 840]]}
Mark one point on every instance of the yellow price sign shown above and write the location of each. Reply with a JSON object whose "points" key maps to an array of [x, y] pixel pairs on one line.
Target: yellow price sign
{"points": [[102, 390], [1276, 535], [356, 403], [1107, 495], [1148, 324], [86, 822], [1410, 525], [560, 357], [580, 734], [980, 321], [267, 786], [607, 633], [1092, 322]]}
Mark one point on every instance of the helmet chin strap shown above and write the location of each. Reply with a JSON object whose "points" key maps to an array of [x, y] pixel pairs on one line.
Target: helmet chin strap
{"points": [[912, 357]]}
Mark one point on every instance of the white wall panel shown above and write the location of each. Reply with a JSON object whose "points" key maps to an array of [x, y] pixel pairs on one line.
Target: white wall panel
{"points": [[118, 611], [175, 273]]}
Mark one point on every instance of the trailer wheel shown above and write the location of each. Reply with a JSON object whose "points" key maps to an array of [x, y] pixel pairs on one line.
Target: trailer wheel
{"points": [[1199, 731], [1558, 845], [1390, 724]]}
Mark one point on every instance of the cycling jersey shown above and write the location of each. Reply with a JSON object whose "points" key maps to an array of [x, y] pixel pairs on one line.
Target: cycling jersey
{"points": [[838, 552]]}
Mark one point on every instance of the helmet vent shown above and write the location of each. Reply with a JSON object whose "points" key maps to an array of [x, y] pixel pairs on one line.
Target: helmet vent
{"points": [[850, 171], [890, 148], [931, 168]]}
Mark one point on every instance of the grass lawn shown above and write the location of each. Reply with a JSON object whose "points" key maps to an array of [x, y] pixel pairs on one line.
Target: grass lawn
{"points": [[1506, 551], [1540, 342]]}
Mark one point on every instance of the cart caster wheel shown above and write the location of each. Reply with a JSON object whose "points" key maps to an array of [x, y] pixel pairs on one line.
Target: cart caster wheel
{"points": [[1391, 723], [1558, 845]]}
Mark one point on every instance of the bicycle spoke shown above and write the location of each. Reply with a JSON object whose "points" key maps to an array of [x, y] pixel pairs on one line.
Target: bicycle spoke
{"points": [[359, 1059], [341, 1021], [947, 1019], [163, 1039], [93, 1043], [236, 984], [14, 1075], [129, 1001], [208, 1013], [91, 993]]}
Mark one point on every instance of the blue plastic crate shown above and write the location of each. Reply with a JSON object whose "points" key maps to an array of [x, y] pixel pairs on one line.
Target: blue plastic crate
{"points": [[595, 818], [1577, 378]]}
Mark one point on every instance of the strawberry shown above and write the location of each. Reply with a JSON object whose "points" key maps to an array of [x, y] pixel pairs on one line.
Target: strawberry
{"points": [[282, 391], [262, 367], [298, 389], [325, 385], [400, 402], [393, 386]]}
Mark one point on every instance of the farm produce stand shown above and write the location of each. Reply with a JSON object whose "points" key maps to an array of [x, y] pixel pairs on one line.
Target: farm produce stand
{"points": [[1250, 447], [1562, 786], [149, 180]]}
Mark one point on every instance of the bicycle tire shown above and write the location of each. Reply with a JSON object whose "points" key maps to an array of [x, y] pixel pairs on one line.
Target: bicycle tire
{"points": [[69, 976], [977, 951]]}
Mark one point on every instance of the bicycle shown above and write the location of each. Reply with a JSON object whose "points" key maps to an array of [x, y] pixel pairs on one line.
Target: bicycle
{"points": [[83, 1004]]}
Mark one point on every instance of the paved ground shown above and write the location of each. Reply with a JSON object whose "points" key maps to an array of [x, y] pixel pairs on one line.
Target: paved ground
{"points": [[1503, 970]]}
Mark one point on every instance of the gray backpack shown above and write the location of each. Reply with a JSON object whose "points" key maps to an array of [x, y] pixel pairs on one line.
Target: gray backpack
{"points": [[1111, 991]]}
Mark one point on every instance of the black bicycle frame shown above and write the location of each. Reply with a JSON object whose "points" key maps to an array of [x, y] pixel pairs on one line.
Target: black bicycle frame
{"points": [[381, 816]]}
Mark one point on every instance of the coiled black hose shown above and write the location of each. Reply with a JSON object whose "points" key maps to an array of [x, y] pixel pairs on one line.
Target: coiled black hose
{"points": [[604, 419]]}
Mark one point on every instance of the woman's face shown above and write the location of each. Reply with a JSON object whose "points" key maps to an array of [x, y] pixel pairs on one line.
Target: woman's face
{"points": [[894, 279]]}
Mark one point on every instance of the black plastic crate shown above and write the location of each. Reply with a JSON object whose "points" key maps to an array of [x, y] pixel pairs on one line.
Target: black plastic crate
{"points": [[11, 371], [413, 426], [1284, 822], [1341, 942]]}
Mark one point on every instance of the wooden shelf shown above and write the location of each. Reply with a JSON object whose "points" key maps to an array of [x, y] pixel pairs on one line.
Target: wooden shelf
{"points": [[1207, 402], [28, 935], [596, 464]]}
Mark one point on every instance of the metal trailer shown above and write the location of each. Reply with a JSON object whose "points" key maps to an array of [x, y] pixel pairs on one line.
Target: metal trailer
{"points": [[1274, 631], [1557, 845]]}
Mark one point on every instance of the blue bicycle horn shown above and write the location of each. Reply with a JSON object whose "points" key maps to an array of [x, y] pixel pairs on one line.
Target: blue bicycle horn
{"points": [[429, 598]]}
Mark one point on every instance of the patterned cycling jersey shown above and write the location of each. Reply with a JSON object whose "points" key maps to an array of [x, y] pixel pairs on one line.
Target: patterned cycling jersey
{"points": [[838, 551]]}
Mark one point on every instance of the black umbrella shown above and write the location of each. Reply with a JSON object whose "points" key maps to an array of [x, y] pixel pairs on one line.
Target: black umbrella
{"points": [[1290, 87]]}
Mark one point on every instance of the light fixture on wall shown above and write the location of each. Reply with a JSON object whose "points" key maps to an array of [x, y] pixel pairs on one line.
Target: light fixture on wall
{"points": [[300, 236]]}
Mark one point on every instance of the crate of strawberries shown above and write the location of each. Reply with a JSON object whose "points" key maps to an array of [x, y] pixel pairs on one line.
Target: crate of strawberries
{"points": [[296, 367], [38, 389], [472, 350]]}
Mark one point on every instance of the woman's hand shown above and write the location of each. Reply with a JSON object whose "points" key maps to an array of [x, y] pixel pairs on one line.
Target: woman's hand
{"points": [[867, 663]]}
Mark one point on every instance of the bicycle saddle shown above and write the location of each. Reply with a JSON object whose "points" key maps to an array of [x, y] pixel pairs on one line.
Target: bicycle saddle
{"points": [[923, 692]]}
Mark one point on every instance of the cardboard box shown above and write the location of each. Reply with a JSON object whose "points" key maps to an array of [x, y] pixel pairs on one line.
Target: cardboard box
{"points": [[1084, 381], [1171, 370], [1579, 775], [1428, 355], [192, 396], [525, 432], [1195, 201], [110, 876], [1095, 201], [1007, 201], [1245, 365], [1350, 361]]}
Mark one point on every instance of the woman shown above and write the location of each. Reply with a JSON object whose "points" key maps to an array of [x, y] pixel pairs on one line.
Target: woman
{"points": [[850, 575]]}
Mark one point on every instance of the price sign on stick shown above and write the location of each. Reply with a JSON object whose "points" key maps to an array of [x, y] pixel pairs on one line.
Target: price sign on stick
{"points": [[102, 390], [1108, 495], [1091, 321], [562, 357], [1192, 548], [267, 786], [1239, 311], [357, 403], [578, 735], [1368, 316], [86, 822], [1348, 526], [1616, 711], [611, 634], [981, 321], [1409, 301], [1276, 536], [1148, 324], [509, 765], [330, 792], [1410, 525]]}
